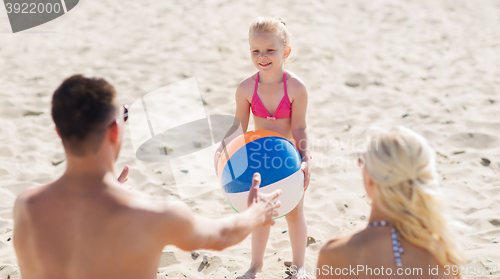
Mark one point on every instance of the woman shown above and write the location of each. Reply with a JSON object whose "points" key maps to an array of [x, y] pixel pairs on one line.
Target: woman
{"points": [[407, 235]]}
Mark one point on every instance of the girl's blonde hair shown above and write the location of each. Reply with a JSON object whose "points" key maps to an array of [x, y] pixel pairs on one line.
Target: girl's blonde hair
{"points": [[402, 166], [271, 25]]}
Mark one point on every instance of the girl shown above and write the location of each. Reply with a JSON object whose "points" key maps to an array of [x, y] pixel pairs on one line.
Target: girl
{"points": [[278, 100], [407, 229]]}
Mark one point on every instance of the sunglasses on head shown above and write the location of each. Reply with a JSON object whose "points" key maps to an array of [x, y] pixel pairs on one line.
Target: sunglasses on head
{"points": [[125, 115]]}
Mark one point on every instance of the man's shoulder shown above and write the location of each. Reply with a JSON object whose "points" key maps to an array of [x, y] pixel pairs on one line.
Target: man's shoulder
{"points": [[165, 217], [30, 195], [168, 208], [26, 201]]}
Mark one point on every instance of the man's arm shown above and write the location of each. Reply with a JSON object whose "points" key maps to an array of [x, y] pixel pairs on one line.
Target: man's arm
{"points": [[190, 231]]}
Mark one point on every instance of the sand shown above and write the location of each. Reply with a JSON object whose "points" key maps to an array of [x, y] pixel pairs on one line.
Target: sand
{"points": [[433, 66]]}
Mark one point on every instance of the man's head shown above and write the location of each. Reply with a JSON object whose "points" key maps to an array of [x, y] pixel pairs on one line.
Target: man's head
{"points": [[85, 110]]}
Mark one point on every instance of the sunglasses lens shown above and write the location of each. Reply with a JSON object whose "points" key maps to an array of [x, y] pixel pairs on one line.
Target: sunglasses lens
{"points": [[125, 113]]}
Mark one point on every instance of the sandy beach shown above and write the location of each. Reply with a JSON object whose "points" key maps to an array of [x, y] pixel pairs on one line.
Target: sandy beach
{"points": [[432, 66]]}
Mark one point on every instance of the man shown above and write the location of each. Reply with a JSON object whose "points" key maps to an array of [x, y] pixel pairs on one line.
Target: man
{"points": [[85, 225]]}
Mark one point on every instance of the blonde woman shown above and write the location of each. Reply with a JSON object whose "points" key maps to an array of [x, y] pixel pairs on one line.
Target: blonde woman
{"points": [[407, 236]]}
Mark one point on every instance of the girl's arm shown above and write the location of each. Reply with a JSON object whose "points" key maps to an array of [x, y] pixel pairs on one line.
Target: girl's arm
{"points": [[299, 132], [241, 120], [242, 109]]}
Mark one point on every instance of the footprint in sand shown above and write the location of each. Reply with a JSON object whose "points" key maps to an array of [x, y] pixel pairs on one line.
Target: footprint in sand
{"points": [[474, 140]]}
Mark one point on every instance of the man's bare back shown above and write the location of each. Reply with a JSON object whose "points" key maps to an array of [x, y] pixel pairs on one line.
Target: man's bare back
{"points": [[67, 229], [101, 226]]}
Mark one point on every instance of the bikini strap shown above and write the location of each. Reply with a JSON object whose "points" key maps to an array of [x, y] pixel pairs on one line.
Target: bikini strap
{"points": [[397, 249], [256, 83], [284, 81]]}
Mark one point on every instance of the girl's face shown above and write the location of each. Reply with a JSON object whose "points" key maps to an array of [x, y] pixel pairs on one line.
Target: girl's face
{"points": [[267, 52]]}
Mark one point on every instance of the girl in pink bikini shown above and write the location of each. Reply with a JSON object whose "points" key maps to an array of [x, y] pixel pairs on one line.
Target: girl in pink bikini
{"points": [[278, 101]]}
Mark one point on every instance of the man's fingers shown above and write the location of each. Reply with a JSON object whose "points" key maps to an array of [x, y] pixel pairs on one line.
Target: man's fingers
{"points": [[124, 175], [254, 190], [256, 179], [275, 194], [275, 213], [277, 204], [255, 183]]}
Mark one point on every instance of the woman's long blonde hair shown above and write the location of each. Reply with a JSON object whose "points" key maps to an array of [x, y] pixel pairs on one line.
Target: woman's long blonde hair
{"points": [[402, 166]]}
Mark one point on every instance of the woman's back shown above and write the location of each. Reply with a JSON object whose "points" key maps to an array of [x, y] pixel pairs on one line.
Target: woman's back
{"points": [[370, 254]]}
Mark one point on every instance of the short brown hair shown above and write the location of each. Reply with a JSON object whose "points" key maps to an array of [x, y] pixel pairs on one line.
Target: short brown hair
{"points": [[81, 108]]}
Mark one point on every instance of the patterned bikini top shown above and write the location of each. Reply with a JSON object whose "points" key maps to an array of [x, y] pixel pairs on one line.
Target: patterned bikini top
{"points": [[396, 245]]}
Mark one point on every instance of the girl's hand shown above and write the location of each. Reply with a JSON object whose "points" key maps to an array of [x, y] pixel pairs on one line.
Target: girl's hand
{"points": [[306, 168]]}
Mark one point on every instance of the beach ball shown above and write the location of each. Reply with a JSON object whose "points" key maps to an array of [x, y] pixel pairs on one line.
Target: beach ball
{"points": [[268, 153]]}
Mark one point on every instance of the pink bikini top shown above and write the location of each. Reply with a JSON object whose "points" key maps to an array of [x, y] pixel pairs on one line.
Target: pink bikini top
{"points": [[284, 109]]}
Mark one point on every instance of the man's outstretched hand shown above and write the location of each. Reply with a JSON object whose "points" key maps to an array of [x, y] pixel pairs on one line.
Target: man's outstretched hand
{"points": [[266, 204], [124, 175]]}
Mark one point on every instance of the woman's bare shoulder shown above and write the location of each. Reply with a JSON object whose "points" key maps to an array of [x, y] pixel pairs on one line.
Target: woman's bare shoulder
{"points": [[336, 248], [347, 248]]}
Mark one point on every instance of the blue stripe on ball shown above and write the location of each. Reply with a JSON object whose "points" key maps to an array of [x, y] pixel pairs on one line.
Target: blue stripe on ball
{"points": [[274, 158]]}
